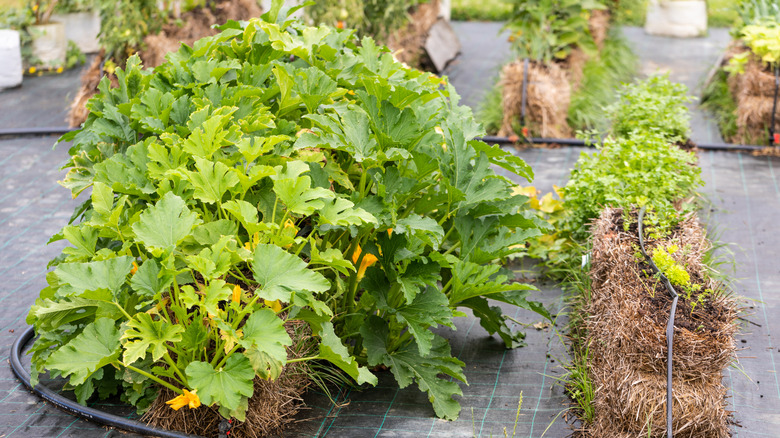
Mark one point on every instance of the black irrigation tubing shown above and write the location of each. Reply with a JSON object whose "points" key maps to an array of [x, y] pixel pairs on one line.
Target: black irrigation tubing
{"points": [[523, 92], [669, 325], [773, 140], [578, 142], [47, 130], [74, 408]]}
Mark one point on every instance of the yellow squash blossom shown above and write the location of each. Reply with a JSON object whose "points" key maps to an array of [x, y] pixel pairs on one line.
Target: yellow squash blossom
{"points": [[134, 269], [368, 260], [190, 399], [275, 305], [236, 294]]}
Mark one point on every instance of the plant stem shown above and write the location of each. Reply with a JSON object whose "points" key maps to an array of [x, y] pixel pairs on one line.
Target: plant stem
{"points": [[176, 370], [301, 359], [150, 376]]}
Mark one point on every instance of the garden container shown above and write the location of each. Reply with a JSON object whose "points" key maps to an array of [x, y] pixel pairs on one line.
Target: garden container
{"points": [[82, 28], [49, 45], [10, 59], [681, 19]]}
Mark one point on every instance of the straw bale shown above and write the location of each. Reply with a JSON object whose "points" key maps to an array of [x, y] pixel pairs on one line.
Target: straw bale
{"points": [[548, 94], [626, 335], [598, 23], [628, 402], [753, 91], [408, 43]]}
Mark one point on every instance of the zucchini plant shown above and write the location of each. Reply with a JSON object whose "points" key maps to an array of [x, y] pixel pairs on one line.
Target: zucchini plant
{"points": [[277, 172]]}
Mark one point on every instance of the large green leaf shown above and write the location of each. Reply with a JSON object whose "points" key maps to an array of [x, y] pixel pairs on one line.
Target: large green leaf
{"points": [[332, 350], [473, 280], [147, 280], [341, 212], [429, 309], [408, 366], [145, 334], [265, 339], [227, 386], [494, 321], [281, 273], [165, 224], [47, 314], [76, 278], [97, 346], [211, 180], [296, 192]]}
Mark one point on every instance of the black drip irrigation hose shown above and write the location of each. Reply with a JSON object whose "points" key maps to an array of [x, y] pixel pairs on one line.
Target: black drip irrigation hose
{"points": [[523, 92], [74, 408], [773, 140], [577, 142], [669, 325], [46, 130]]}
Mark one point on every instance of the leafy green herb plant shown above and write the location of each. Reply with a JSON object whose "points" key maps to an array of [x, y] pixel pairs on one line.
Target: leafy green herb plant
{"points": [[277, 172]]}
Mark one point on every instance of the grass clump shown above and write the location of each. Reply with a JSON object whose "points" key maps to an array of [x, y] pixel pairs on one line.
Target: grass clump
{"points": [[717, 99], [480, 10], [602, 76]]}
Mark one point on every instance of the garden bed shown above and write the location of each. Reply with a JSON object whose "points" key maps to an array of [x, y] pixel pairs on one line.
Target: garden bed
{"points": [[626, 340]]}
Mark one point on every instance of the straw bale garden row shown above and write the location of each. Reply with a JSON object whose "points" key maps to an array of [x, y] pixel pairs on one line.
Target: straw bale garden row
{"points": [[283, 203]]}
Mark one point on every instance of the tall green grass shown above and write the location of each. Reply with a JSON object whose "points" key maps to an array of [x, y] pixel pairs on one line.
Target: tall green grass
{"points": [[481, 10], [717, 99], [601, 78]]}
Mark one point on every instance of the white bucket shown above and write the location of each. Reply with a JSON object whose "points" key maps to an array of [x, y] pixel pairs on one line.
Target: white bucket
{"points": [[10, 59], [48, 43], [682, 19], [82, 28]]}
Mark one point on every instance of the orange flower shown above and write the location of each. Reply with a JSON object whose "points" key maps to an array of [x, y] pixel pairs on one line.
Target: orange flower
{"points": [[368, 260], [190, 399], [340, 24], [134, 269], [236, 294]]}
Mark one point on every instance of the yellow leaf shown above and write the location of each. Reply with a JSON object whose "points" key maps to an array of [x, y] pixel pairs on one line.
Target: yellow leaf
{"points": [[529, 191]]}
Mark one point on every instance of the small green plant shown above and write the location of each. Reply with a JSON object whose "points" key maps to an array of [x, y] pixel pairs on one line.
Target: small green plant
{"points": [[655, 105], [676, 273], [764, 41], [641, 169]]}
